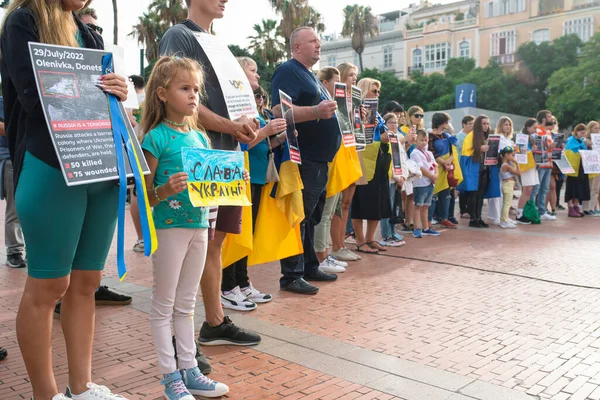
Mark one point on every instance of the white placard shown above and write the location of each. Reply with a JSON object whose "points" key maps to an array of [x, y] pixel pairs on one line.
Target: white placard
{"points": [[564, 165], [236, 89], [591, 161], [118, 53], [595, 141], [521, 141]]}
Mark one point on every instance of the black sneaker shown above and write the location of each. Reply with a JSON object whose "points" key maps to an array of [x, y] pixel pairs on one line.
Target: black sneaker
{"points": [[16, 261], [109, 298], [522, 220], [482, 224], [3, 353], [226, 334], [474, 224], [203, 363]]}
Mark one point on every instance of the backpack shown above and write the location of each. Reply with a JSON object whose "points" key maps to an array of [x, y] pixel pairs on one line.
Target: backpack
{"points": [[531, 213]]}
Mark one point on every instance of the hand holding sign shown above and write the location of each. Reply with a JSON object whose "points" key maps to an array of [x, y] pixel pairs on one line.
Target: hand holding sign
{"points": [[326, 109], [246, 129], [177, 183], [114, 84], [275, 126]]}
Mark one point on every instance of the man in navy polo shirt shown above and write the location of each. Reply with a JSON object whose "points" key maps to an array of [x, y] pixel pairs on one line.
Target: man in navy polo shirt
{"points": [[319, 139]]}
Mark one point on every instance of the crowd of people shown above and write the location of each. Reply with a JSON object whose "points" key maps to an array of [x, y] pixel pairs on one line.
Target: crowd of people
{"points": [[405, 181]]}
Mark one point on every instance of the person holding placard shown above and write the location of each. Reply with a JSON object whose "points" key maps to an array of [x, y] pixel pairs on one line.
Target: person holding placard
{"points": [[237, 292], [504, 128], [539, 193], [592, 207], [68, 239], [319, 140], [224, 134], [578, 183], [529, 175], [509, 170], [467, 126]]}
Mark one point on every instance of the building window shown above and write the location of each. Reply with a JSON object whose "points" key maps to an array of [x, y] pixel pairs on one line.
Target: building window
{"points": [[331, 61], [540, 36], [582, 27], [498, 8], [436, 56], [503, 46], [417, 58], [387, 56], [464, 49]]}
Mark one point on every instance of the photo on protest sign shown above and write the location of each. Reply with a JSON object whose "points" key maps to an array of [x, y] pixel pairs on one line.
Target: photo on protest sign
{"points": [[370, 106], [237, 93], [564, 165], [491, 156], [396, 161], [595, 141], [591, 161], [540, 151], [77, 113], [521, 141], [556, 154], [288, 113], [215, 177], [343, 114], [359, 129]]}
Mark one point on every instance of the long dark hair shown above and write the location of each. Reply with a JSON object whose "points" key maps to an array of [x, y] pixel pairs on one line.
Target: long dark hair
{"points": [[479, 137], [528, 124]]}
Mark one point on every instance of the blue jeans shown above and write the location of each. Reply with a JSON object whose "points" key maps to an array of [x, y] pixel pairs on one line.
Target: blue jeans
{"points": [[442, 205], [539, 192], [387, 228], [349, 227], [452, 206], [314, 178]]}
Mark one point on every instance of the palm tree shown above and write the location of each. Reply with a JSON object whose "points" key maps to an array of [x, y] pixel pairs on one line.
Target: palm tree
{"points": [[115, 22], [296, 13], [358, 23], [152, 25], [267, 43]]}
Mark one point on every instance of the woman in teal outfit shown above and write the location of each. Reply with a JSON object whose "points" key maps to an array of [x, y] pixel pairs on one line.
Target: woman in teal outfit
{"points": [[68, 230]]}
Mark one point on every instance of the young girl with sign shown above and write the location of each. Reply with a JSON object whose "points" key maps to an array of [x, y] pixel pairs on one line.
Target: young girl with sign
{"points": [[509, 170], [423, 187], [169, 124], [578, 183]]}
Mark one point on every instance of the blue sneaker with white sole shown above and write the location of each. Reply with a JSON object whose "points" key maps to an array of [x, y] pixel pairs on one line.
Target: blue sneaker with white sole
{"points": [[199, 385], [430, 232], [175, 388]]}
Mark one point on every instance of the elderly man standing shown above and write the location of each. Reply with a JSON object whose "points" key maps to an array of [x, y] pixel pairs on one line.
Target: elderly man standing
{"points": [[319, 139]]}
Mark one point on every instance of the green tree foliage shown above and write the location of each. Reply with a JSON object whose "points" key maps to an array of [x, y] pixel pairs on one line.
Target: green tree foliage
{"points": [[267, 43], [574, 91]]}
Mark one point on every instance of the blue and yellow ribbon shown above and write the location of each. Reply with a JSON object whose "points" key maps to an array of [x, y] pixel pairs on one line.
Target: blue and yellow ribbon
{"points": [[122, 137]]}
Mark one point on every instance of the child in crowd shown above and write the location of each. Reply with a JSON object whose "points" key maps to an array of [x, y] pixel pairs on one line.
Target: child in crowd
{"points": [[423, 187], [169, 124], [578, 183], [509, 170], [592, 207]]}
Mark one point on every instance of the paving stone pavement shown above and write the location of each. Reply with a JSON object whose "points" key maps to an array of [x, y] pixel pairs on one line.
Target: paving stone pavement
{"points": [[473, 314]]}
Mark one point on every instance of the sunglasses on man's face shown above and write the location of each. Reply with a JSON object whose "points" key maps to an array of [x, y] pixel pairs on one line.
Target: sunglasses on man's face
{"points": [[418, 115], [96, 28]]}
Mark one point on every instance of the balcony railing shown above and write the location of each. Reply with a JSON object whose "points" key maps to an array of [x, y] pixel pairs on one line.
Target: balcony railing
{"points": [[414, 32], [387, 26], [464, 23], [415, 68], [504, 59]]}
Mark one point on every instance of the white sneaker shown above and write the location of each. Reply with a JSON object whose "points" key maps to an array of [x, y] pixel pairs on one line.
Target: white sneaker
{"points": [[329, 267], [339, 263], [435, 222], [512, 221], [391, 242], [138, 247], [507, 225], [59, 396], [94, 392], [547, 217], [495, 222], [347, 251], [342, 255], [255, 295], [236, 300]]}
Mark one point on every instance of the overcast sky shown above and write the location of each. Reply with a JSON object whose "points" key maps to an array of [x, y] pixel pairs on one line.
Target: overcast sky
{"points": [[235, 27]]}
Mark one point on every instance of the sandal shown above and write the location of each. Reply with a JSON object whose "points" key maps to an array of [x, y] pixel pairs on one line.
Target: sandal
{"points": [[376, 246], [367, 250]]}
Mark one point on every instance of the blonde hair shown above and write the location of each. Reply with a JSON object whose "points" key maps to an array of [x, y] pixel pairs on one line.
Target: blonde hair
{"points": [[589, 127], [54, 25], [390, 116], [412, 111], [165, 69], [327, 73], [500, 125], [365, 85], [345, 69], [245, 61]]}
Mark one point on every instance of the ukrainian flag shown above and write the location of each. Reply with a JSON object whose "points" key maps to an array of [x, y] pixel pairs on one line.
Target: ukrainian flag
{"points": [[344, 170]]}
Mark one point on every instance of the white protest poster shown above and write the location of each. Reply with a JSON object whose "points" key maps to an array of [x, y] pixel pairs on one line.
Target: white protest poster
{"points": [[595, 141], [564, 165], [591, 161], [119, 63], [521, 142], [236, 89]]}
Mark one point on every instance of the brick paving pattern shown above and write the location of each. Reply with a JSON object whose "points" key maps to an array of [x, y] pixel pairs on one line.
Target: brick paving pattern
{"points": [[514, 308]]}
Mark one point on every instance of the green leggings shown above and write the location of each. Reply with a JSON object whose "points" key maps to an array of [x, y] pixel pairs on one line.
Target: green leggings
{"points": [[65, 227]]}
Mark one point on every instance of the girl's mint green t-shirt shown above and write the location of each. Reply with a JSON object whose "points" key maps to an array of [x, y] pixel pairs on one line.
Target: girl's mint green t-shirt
{"points": [[165, 144]]}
